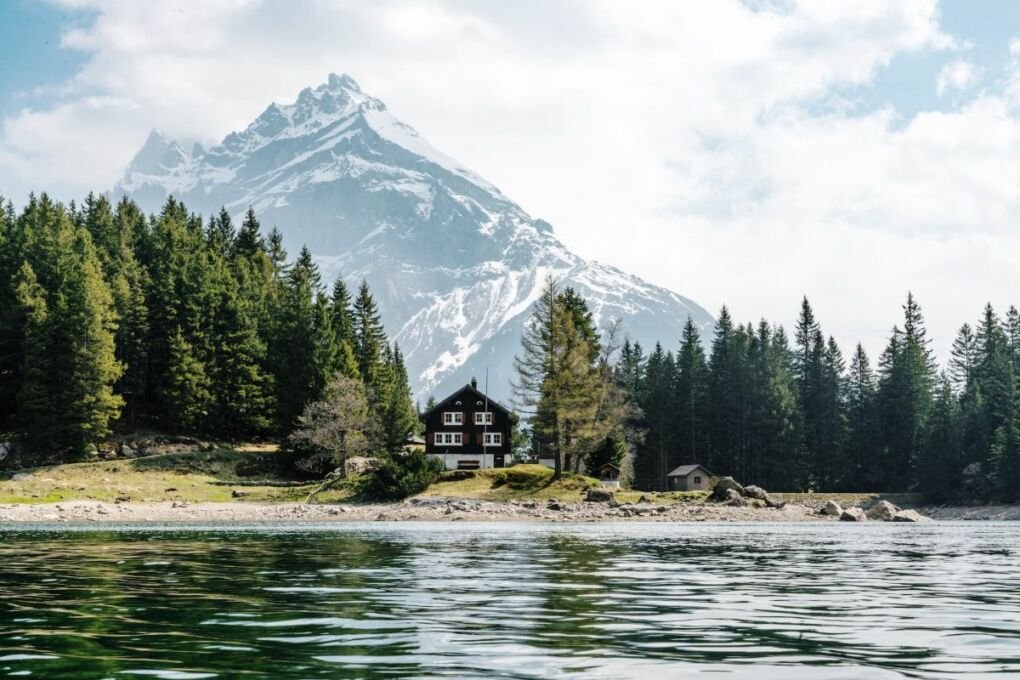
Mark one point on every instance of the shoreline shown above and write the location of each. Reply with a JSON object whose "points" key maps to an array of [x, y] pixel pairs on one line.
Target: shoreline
{"points": [[439, 509]]}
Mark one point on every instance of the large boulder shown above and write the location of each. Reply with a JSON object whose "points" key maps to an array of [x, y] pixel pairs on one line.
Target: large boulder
{"points": [[756, 492], [734, 498], [6, 449], [882, 511], [853, 515], [359, 465], [598, 496], [910, 516], [832, 509], [723, 485]]}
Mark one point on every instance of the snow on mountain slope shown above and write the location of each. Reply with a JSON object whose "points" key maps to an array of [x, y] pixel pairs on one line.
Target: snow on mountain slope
{"points": [[454, 264]]}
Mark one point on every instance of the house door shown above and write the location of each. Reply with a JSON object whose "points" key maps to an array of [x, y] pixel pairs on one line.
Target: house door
{"points": [[497, 460]]}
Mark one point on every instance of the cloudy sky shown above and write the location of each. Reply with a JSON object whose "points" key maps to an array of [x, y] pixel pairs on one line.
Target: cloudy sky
{"points": [[745, 153]]}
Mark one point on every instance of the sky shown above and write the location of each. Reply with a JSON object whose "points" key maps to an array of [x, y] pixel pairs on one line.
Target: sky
{"points": [[744, 153]]}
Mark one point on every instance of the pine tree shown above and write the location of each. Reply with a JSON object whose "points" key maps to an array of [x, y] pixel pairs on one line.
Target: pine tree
{"points": [[370, 338], [249, 241], [905, 396], [342, 322], [690, 397], [657, 451], [188, 388], [939, 466], [558, 382], [67, 397], [863, 457], [963, 358], [399, 418], [274, 247], [297, 347], [221, 233]]}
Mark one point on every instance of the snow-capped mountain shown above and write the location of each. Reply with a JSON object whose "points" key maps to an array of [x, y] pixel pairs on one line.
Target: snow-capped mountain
{"points": [[454, 264]]}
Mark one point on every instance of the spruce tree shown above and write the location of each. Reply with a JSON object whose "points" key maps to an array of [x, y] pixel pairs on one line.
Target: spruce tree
{"points": [[939, 465], [67, 395], [370, 338], [690, 397], [249, 241], [342, 321], [863, 457]]}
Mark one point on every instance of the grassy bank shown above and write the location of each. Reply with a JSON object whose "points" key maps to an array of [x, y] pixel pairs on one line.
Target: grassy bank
{"points": [[191, 477], [261, 474]]}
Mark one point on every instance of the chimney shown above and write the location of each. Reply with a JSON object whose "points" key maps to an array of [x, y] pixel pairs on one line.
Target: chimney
{"points": [[474, 383]]}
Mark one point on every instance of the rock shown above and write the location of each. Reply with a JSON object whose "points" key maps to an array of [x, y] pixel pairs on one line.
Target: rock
{"points": [[734, 498], [769, 503], [237, 493], [644, 499], [127, 452], [831, 509], [21, 477], [853, 515], [883, 511], [122, 499], [910, 516], [756, 492], [6, 449], [598, 496], [723, 485], [359, 465], [554, 504], [170, 489]]}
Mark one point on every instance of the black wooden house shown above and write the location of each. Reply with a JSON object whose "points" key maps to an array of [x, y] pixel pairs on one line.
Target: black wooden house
{"points": [[469, 431]]}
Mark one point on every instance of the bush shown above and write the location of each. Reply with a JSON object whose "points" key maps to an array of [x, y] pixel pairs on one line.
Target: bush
{"points": [[404, 475], [522, 477]]}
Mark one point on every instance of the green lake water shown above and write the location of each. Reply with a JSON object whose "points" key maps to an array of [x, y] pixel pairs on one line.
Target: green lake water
{"points": [[512, 600]]}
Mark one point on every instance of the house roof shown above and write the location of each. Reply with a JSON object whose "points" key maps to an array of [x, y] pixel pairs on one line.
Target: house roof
{"points": [[475, 393], [685, 470], [609, 465]]}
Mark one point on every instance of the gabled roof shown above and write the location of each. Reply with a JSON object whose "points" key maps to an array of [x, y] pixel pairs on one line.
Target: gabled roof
{"points": [[609, 465], [472, 393], [685, 470]]}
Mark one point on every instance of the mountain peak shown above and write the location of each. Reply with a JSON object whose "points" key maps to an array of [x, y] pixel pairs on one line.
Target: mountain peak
{"points": [[159, 153], [342, 82], [454, 264]]}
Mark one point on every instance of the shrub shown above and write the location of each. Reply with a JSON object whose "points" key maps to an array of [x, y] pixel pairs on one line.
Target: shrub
{"points": [[403, 475], [522, 477]]}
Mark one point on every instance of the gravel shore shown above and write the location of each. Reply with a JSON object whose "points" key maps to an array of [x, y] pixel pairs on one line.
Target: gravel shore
{"points": [[425, 509]]}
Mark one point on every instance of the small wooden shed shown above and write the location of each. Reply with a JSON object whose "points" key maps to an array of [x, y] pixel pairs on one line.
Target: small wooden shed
{"points": [[609, 475], [689, 478]]}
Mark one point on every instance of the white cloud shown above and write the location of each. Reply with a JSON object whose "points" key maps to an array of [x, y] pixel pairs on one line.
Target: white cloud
{"points": [[693, 127], [956, 75]]}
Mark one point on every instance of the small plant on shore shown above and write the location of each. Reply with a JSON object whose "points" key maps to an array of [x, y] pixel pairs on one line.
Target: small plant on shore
{"points": [[403, 475]]}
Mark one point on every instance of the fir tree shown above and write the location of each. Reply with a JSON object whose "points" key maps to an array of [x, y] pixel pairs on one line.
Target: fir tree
{"points": [[939, 465]]}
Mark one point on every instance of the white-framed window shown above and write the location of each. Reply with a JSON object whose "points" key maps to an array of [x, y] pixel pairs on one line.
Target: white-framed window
{"points": [[493, 439], [449, 439], [453, 418], [483, 417]]}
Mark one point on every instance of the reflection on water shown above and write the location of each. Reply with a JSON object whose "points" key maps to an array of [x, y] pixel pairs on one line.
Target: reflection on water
{"points": [[513, 601]]}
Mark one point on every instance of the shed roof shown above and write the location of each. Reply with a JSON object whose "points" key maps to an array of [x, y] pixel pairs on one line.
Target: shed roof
{"points": [[685, 470]]}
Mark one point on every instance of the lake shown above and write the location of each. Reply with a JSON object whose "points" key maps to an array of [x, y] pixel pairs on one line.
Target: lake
{"points": [[512, 600]]}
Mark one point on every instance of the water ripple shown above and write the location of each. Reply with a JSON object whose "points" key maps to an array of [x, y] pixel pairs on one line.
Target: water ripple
{"points": [[512, 601]]}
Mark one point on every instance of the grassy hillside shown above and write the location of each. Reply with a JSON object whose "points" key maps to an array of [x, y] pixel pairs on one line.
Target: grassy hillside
{"points": [[191, 477]]}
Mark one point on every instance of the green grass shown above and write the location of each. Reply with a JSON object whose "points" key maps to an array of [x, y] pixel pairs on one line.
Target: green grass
{"points": [[520, 482], [191, 477]]}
